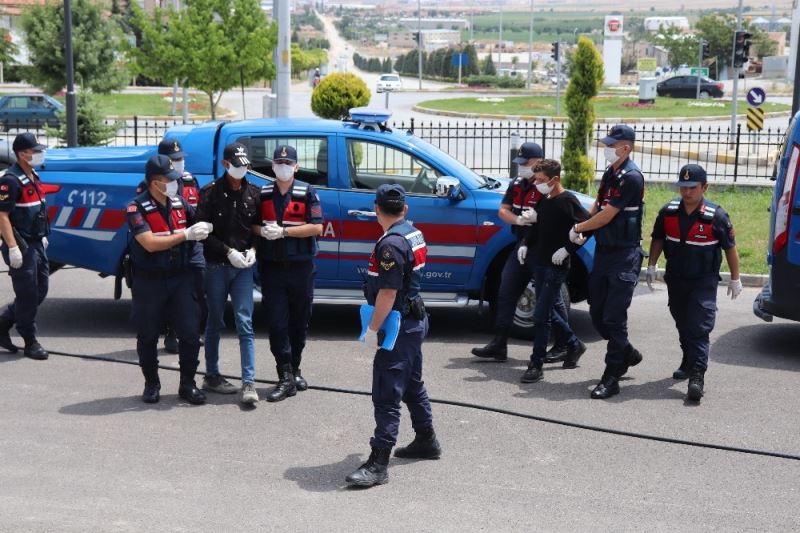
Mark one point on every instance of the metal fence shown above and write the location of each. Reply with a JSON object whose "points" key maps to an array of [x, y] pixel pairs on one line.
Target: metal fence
{"points": [[660, 150], [486, 147]]}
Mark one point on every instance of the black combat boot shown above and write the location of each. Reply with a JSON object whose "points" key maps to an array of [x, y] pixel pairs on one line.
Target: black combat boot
{"points": [[424, 446], [632, 356], [497, 348], [5, 337], [696, 383], [574, 352], [532, 374], [152, 386], [188, 390], [285, 387], [374, 471], [299, 381], [683, 370], [608, 387], [34, 350], [170, 340]]}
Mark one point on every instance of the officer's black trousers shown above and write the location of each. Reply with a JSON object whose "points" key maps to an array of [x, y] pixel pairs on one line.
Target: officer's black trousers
{"points": [[30, 282], [693, 305], [287, 290], [173, 299]]}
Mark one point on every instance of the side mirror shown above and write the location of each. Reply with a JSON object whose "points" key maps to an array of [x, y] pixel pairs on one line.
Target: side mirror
{"points": [[449, 187]]}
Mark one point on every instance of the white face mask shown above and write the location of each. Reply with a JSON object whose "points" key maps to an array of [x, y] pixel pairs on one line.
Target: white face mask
{"points": [[178, 165], [525, 172], [237, 173], [544, 188], [610, 154], [171, 188], [283, 172], [37, 159]]}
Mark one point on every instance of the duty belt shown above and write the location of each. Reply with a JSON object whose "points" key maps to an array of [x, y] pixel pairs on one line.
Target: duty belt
{"points": [[157, 274]]}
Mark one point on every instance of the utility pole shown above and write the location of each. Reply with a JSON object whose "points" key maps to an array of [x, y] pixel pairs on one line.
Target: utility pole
{"points": [[558, 78], [72, 110], [735, 73], [530, 49], [419, 42], [283, 81], [500, 39], [472, 24]]}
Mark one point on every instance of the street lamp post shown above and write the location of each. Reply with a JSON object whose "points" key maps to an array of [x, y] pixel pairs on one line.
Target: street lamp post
{"points": [[530, 49], [419, 42], [72, 115]]}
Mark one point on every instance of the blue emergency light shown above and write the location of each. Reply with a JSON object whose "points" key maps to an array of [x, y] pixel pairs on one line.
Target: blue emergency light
{"points": [[365, 116]]}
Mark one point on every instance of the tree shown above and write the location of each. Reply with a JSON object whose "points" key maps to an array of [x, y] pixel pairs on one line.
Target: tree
{"points": [[214, 43], [8, 50], [681, 47], [92, 128], [337, 94], [95, 41], [488, 66], [585, 80], [718, 31], [473, 66]]}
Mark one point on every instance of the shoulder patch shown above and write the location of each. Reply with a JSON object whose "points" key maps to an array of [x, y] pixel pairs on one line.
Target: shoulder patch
{"points": [[132, 208], [388, 265], [4, 187], [387, 254]]}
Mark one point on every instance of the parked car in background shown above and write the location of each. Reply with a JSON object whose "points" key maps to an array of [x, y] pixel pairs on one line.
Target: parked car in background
{"points": [[389, 82], [686, 87], [29, 111], [7, 157]]}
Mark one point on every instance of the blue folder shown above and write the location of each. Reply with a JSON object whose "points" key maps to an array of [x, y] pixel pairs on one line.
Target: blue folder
{"points": [[390, 326]]}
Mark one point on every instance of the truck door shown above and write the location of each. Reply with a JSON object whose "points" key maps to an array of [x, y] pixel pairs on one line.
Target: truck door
{"points": [[449, 226]]}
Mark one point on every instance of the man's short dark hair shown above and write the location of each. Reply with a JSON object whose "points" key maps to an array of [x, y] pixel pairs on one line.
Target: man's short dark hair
{"points": [[549, 167], [392, 206]]}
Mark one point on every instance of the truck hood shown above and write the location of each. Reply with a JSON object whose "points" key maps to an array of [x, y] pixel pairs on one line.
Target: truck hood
{"points": [[113, 159]]}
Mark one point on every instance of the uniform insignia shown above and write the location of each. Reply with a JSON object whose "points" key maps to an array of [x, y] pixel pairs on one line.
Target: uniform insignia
{"points": [[387, 254], [3, 197], [132, 209], [4, 187], [30, 192], [701, 228], [175, 147], [685, 176], [283, 152], [388, 265]]}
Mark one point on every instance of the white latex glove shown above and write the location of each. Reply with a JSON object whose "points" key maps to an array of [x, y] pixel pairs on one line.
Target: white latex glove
{"points": [[576, 237], [522, 221], [734, 288], [272, 232], [529, 214], [250, 256], [45, 242], [560, 256], [370, 341], [650, 276], [237, 258], [522, 253], [199, 231], [15, 257]]}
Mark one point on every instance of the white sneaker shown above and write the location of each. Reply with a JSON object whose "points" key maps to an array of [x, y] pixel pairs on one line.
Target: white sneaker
{"points": [[248, 394]]}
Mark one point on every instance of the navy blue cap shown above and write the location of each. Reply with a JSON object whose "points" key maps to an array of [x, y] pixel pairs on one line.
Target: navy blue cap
{"points": [[691, 175], [160, 165], [171, 148], [620, 132], [390, 192], [527, 151], [284, 151], [26, 141], [236, 153]]}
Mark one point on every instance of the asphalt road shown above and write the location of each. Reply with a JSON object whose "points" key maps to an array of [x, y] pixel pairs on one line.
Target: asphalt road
{"points": [[80, 452]]}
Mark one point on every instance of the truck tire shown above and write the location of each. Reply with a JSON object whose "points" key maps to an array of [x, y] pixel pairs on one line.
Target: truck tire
{"points": [[522, 326]]}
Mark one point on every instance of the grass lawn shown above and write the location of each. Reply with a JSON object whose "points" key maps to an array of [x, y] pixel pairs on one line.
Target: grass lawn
{"points": [[747, 208], [126, 104], [605, 106]]}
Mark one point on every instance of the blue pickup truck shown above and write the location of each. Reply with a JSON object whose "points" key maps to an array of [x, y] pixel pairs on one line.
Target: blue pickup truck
{"points": [[780, 296], [345, 161]]}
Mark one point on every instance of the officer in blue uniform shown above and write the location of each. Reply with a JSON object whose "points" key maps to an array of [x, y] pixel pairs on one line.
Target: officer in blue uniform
{"points": [[616, 220], [161, 249], [291, 221], [393, 283], [24, 228], [692, 232]]}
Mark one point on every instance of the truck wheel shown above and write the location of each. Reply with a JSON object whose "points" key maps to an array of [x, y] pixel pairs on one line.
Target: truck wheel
{"points": [[522, 326]]}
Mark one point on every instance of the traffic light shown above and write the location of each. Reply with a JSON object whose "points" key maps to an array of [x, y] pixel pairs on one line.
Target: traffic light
{"points": [[555, 53], [704, 46], [741, 49], [415, 34]]}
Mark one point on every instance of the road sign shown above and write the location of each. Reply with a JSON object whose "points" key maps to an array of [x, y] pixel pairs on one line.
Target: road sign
{"points": [[463, 58], [703, 71], [755, 118], [646, 64], [756, 96]]}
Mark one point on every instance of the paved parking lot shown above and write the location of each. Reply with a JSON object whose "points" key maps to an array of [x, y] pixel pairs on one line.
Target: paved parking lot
{"points": [[80, 452]]}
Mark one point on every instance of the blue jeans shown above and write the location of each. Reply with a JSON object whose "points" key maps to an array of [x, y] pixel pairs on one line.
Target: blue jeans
{"points": [[549, 307], [222, 280]]}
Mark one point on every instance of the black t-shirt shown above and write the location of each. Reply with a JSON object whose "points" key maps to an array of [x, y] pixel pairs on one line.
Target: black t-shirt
{"points": [[556, 216]]}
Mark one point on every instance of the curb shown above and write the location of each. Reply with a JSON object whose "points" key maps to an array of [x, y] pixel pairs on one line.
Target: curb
{"points": [[748, 280], [603, 120], [229, 114]]}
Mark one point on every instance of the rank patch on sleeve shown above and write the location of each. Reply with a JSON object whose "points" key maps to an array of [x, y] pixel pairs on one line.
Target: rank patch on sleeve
{"points": [[3, 197], [388, 265]]}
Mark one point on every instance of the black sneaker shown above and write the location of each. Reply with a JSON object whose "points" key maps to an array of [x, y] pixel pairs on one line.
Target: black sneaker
{"points": [[218, 384], [574, 352], [532, 374], [556, 354]]}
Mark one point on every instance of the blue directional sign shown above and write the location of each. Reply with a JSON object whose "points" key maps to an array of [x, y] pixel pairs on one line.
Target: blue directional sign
{"points": [[756, 96], [460, 58]]}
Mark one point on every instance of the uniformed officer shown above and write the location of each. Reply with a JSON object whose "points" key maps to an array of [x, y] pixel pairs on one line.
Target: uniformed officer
{"points": [[291, 221], [24, 228], [161, 250], [617, 225], [692, 232], [393, 283], [230, 203]]}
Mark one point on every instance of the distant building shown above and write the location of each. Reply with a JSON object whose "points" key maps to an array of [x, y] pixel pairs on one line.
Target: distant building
{"points": [[434, 23], [652, 24], [431, 39]]}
